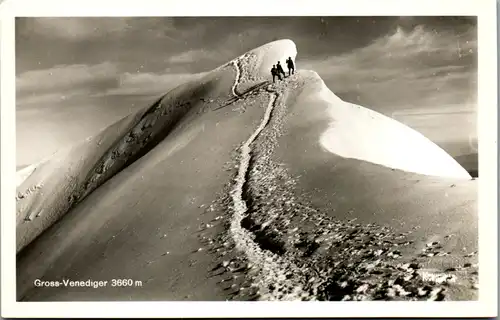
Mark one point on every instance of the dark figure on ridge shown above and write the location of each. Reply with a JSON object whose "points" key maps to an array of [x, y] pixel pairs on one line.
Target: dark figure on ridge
{"points": [[280, 69], [289, 64], [275, 73]]}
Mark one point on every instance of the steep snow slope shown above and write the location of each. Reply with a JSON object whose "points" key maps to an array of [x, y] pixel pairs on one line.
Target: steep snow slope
{"points": [[61, 180], [200, 97], [363, 134], [72, 174], [203, 161]]}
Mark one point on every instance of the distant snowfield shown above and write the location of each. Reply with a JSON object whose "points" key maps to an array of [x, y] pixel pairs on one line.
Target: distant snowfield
{"points": [[360, 133]]}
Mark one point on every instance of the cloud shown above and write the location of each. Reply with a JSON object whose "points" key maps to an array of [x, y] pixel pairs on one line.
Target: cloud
{"points": [[416, 68], [78, 28], [51, 98], [64, 77], [443, 124], [67, 103], [465, 108], [76, 84], [64, 82], [193, 56], [452, 125], [422, 78], [85, 28], [149, 83]]}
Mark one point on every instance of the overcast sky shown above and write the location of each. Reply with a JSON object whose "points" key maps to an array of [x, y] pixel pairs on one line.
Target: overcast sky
{"points": [[78, 75]]}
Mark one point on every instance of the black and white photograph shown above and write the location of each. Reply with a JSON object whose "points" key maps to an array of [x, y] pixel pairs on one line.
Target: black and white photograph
{"points": [[238, 158]]}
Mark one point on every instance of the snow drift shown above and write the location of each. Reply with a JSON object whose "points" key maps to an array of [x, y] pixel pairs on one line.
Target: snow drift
{"points": [[360, 133]]}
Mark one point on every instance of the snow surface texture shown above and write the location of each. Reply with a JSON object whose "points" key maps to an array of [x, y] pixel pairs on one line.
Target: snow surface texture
{"points": [[73, 174], [357, 132], [55, 184], [272, 268], [70, 175], [279, 277]]}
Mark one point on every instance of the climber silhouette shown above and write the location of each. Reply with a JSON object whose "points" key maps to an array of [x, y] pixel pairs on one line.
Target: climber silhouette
{"points": [[280, 70], [289, 64], [274, 72]]}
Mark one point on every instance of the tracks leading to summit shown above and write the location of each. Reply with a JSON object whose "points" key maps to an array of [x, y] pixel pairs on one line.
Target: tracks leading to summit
{"points": [[239, 71], [270, 265], [271, 268]]}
